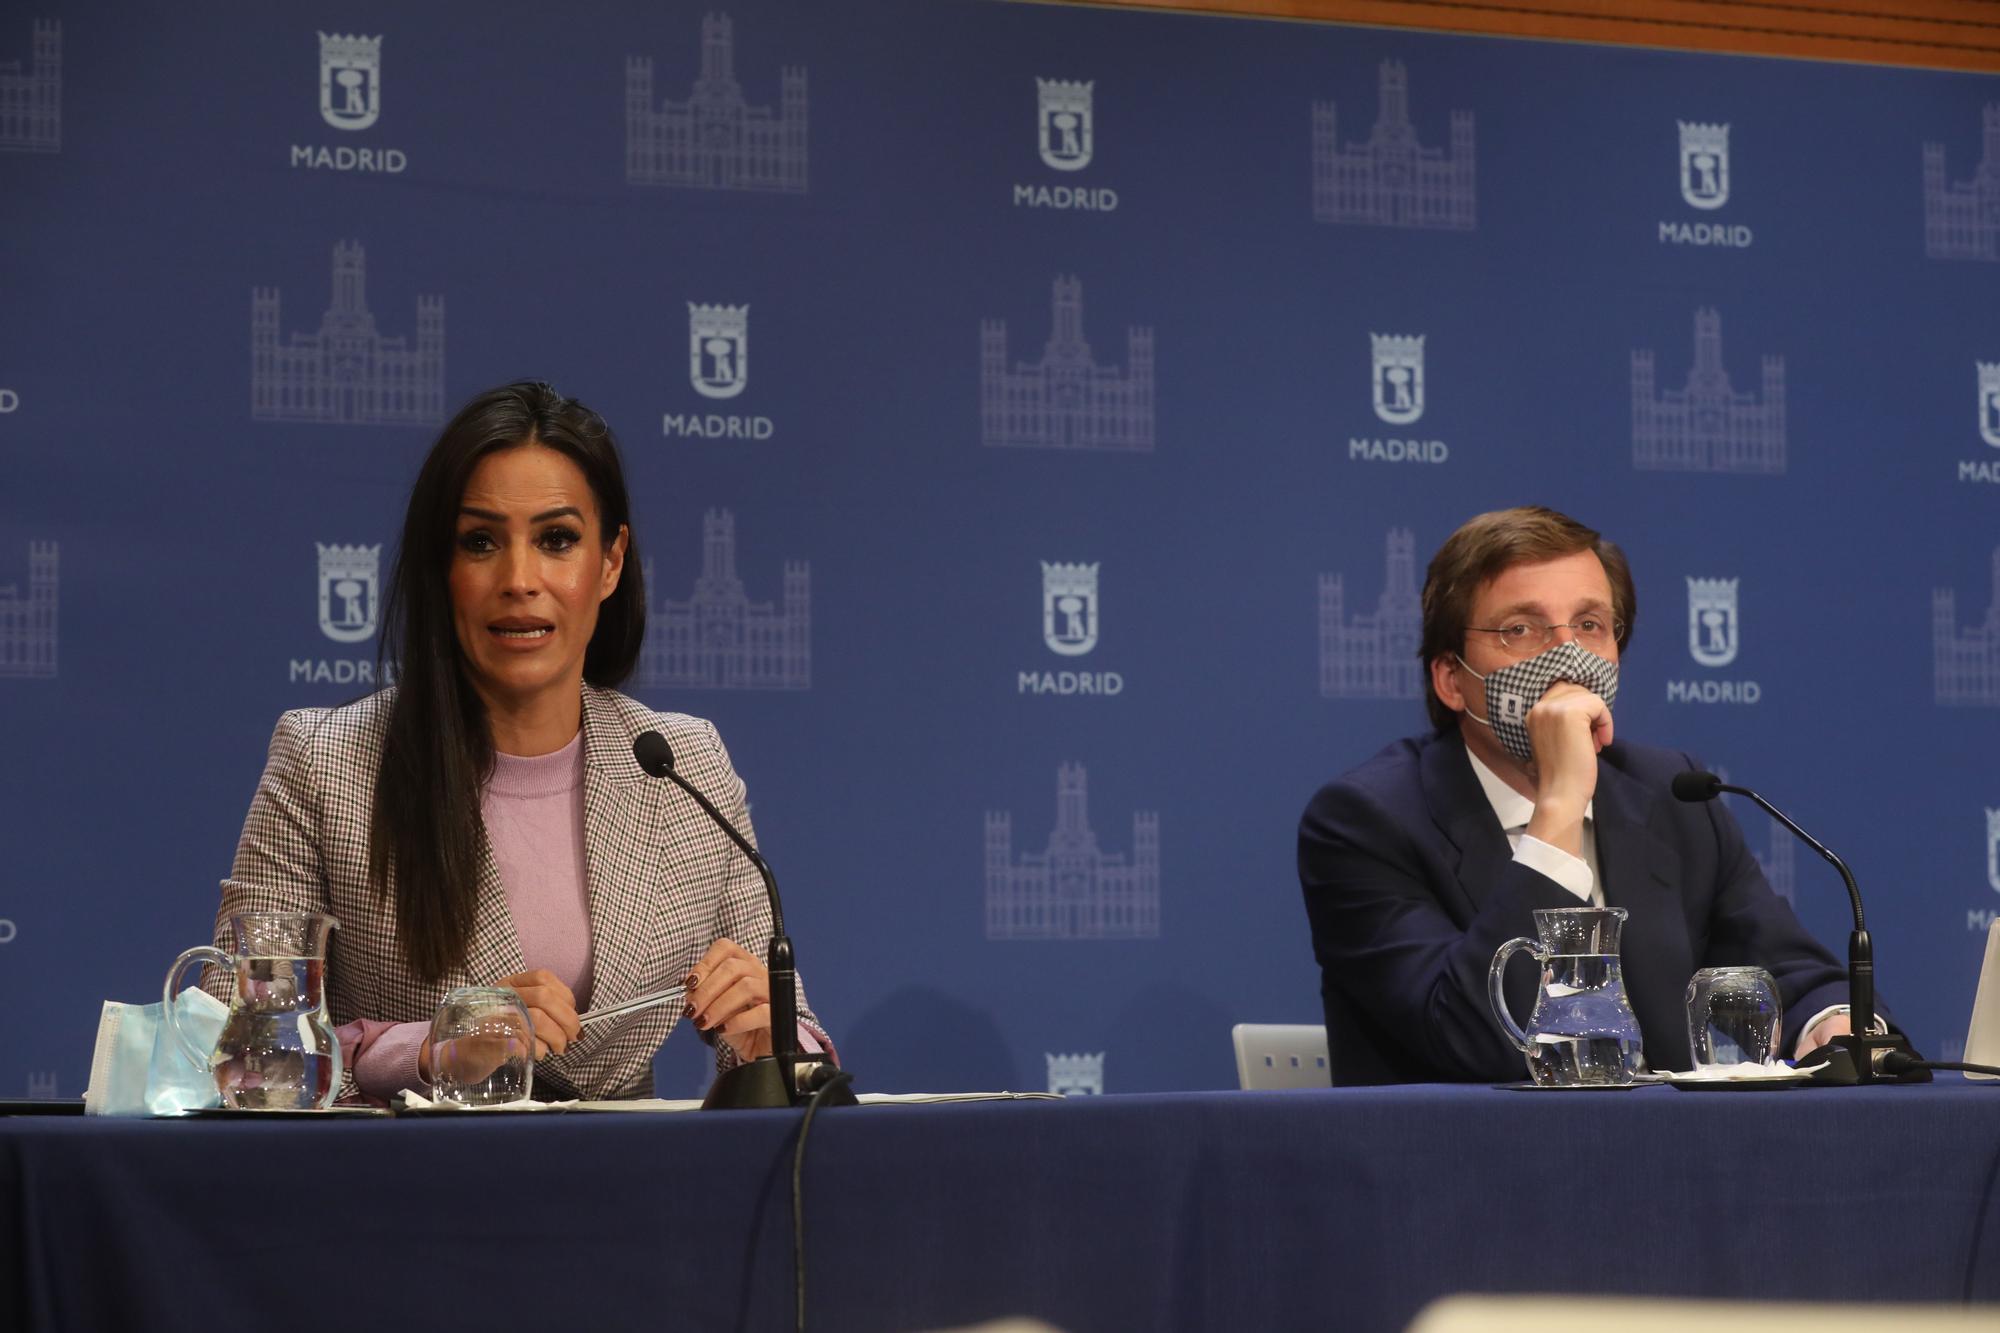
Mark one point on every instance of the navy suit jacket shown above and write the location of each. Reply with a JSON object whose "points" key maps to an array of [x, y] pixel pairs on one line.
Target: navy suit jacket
{"points": [[1411, 887]]}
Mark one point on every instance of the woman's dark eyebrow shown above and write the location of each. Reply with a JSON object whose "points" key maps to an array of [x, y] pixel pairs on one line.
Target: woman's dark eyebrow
{"points": [[569, 511]]}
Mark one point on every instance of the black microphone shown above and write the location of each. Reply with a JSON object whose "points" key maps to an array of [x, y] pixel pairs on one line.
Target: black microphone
{"points": [[1690, 786], [768, 1080], [1865, 1048]]}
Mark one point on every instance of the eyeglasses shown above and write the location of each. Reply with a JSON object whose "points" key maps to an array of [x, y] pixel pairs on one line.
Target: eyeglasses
{"points": [[1596, 633]]}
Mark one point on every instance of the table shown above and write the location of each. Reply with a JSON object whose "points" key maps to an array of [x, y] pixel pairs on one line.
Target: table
{"points": [[1344, 1208]]}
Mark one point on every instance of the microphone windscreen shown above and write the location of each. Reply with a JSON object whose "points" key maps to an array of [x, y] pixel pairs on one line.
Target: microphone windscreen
{"points": [[653, 753], [1690, 786]]}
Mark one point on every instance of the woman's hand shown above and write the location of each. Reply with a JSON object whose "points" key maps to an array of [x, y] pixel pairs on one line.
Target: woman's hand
{"points": [[729, 994], [551, 1008]]}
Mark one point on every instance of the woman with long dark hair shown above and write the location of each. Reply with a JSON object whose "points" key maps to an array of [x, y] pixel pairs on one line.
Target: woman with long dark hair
{"points": [[483, 821]]}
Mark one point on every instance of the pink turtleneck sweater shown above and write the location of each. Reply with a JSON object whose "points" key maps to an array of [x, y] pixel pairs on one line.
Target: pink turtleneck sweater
{"points": [[533, 808]]}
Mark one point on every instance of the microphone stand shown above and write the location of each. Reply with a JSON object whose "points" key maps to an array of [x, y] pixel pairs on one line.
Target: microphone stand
{"points": [[1860, 1056], [769, 1080]]}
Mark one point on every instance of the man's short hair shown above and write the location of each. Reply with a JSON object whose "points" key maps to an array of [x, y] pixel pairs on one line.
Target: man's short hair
{"points": [[1485, 547]]}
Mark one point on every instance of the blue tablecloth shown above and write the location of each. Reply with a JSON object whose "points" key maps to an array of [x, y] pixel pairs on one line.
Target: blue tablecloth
{"points": [[1337, 1209]]}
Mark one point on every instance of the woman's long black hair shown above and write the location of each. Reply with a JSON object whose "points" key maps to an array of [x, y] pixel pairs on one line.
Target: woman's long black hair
{"points": [[425, 835]]}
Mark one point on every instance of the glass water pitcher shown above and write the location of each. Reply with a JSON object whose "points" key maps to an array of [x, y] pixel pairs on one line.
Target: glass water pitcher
{"points": [[277, 1051], [1582, 1030]]}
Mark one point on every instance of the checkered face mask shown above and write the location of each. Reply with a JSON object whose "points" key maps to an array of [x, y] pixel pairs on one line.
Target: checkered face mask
{"points": [[1513, 690]]}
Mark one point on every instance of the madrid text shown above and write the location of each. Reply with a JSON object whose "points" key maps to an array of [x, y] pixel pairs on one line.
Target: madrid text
{"points": [[7, 931], [1397, 451], [322, 158], [338, 671], [1736, 237], [715, 426], [1714, 692], [1977, 470], [1082, 198], [9, 400], [1070, 682]]}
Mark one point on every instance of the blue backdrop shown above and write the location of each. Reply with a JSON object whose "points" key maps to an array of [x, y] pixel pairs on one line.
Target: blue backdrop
{"points": [[1038, 417]]}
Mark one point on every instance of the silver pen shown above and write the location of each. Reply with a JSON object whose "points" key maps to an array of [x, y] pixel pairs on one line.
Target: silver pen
{"points": [[652, 1000]]}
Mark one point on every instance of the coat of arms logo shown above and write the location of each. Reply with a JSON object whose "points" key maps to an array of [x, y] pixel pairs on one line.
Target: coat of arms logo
{"points": [[1712, 626], [1993, 849], [1399, 377], [1069, 608], [718, 349], [1704, 164], [350, 582], [1989, 402], [1078, 1075], [1064, 122], [350, 80]]}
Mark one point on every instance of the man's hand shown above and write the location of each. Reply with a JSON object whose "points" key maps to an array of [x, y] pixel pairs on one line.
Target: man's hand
{"points": [[1834, 1025], [1566, 727]]}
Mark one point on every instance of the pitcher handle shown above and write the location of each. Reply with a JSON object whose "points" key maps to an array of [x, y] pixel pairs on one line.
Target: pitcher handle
{"points": [[207, 953], [1496, 992]]}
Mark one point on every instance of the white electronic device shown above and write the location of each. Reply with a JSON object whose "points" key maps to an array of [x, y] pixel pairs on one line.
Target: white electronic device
{"points": [[1982, 1038]]}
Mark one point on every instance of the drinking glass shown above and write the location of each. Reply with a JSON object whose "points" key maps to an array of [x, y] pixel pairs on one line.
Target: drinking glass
{"points": [[1734, 1017], [482, 1048]]}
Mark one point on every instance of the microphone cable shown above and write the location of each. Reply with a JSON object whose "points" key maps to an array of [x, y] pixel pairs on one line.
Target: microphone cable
{"points": [[1896, 1062], [828, 1080]]}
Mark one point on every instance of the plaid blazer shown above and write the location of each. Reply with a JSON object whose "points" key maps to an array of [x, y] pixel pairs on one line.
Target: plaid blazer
{"points": [[664, 882]]}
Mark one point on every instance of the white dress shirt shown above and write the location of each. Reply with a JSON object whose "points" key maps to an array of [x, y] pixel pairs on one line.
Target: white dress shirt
{"points": [[1578, 874]]}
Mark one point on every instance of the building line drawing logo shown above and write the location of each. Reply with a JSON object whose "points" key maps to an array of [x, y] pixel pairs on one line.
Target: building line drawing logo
{"points": [[1374, 656], [1069, 608], [350, 80], [715, 139], [1063, 122], [1390, 179], [1962, 218], [717, 638], [1779, 867], [1707, 426], [28, 622], [1712, 621], [718, 349], [350, 591], [31, 97], [42, 1085], [1066, 400], [1966, 659], [1073, 889], [348, 372], [1076, 1075], [1989, 402], [1704, 164], [1398, 377]]}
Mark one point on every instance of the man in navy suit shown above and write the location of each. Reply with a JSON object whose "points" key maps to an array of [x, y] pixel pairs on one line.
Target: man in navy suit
{"points": [[1420, 863]]}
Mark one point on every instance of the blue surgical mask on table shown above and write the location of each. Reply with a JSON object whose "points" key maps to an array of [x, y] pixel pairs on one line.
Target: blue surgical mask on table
{"points": [[139, 1069], [1513, 690]]}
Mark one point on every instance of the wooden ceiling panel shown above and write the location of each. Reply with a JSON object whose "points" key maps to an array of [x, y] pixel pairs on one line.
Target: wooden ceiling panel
{"points": [[1942, 34]]}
